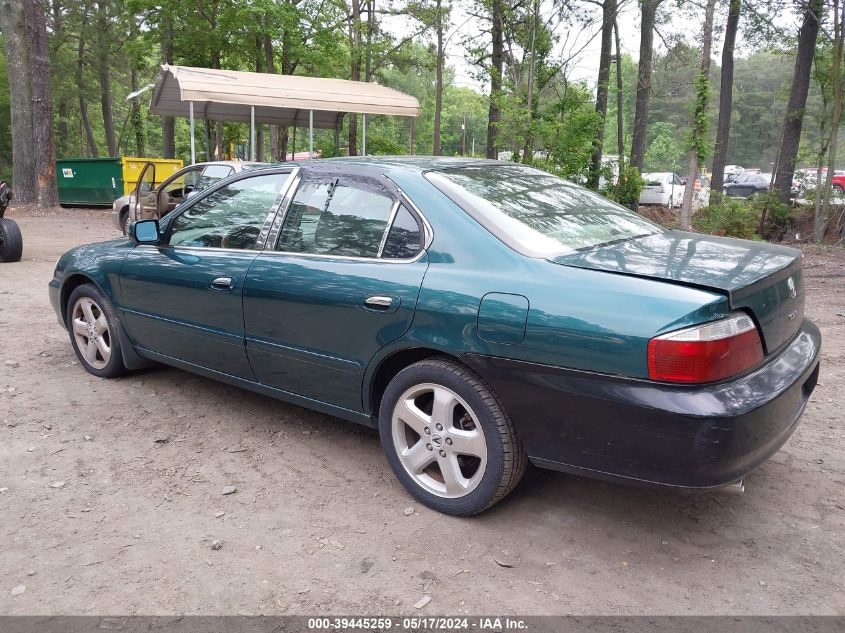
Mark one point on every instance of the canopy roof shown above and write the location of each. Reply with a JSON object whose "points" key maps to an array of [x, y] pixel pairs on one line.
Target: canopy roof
{"points": [[227, 95]]}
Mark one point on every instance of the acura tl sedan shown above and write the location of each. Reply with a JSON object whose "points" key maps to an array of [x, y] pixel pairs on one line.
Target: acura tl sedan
{"points": [[479, 314]]}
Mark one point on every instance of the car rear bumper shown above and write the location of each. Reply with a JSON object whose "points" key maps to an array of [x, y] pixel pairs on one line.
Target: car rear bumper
{"points": [[649, 433]]}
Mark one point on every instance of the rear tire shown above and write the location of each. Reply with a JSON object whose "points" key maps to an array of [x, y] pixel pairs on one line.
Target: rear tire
{"points": [[11, 241], [125, 221], [448, 439], [93, 328]]}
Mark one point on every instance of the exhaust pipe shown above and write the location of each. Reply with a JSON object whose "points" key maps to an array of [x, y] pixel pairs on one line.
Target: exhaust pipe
{"points": [[736, 488]]}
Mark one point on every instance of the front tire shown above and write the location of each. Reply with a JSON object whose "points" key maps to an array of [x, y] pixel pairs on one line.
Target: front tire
{"points": [[11, 241], [447, 438], [92, 325]]}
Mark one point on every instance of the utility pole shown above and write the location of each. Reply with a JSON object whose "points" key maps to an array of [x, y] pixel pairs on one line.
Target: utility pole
{"points": [[463, 134]]}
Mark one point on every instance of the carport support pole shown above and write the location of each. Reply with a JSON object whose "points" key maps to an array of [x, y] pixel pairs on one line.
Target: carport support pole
{"points": [[252, 132], [311, 134], [191, 125], [363, 134], [411, 138]]}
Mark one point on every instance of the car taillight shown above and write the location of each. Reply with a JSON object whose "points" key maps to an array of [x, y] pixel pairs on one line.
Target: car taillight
{"points": [[705, 353]]}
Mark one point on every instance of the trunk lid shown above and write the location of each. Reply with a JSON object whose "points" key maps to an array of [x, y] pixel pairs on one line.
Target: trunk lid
{"points": [[763, 279]]}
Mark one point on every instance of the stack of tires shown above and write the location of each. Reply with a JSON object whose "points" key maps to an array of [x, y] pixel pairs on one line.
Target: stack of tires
{"points": [[11, 241]]}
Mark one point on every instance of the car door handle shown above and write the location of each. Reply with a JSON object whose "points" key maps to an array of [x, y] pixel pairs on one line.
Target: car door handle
{"points": [[378, 302], [222, 283]]}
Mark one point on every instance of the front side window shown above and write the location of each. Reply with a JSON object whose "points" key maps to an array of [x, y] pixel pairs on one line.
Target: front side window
{"points": [[536, 213], [231, 217], [337, 218]]}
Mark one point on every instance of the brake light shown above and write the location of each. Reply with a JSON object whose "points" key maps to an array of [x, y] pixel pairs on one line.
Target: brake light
{"points": [[706, 353]]}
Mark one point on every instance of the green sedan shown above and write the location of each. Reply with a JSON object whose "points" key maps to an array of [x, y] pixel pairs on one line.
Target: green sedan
{"points": [[480, 314]]}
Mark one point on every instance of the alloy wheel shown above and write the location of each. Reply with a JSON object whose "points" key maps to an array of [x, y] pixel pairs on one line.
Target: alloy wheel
{"points": [[91, 332], [439, 440]]}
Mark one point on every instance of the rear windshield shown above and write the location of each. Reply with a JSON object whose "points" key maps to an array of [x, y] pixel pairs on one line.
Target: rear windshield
{"points": [[536, 213]]}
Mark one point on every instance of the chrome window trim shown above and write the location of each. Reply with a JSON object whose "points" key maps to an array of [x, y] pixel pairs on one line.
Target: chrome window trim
{"points": [[279, 219], [393, 211], [349, 258], [269, 222]]}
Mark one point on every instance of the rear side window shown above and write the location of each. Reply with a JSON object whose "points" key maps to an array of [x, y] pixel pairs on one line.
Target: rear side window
{"points": [[346, 219], [404, 240]]}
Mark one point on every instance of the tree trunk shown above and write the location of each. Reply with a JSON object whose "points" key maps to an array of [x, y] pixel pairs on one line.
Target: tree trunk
{"points": [[355, 70], [368, 72], [103, 69], [820, 221], [259, 128], [620, 130], [699, 117], [608, 17], [438, 76], [497, 62], [640, 131], [168, 123], [90, 141], [723, 129], [794, 119], [270, 67], [137, 116], [16, 39], [44, 143], [528, 147], [62, 108]]}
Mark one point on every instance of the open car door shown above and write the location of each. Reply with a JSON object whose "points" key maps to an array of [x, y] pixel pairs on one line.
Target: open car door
{"points": [[145, 194], [176, 189]]}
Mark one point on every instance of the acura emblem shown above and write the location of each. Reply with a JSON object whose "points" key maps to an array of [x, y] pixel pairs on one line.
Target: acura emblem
{"points": [[791, 284]]}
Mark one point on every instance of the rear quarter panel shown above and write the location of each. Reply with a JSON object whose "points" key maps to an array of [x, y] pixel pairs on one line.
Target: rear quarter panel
{"points": [[580, 319]]}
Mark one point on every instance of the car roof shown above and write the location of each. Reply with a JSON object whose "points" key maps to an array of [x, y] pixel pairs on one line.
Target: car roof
{"points": [[400, 163], [228, 163]]}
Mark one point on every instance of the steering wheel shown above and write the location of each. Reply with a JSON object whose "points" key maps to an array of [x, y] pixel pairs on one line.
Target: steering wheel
{"points": [[240, 237]]}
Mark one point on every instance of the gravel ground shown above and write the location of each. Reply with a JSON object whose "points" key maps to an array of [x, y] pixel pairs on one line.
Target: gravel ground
{"points": [[112, 495]]}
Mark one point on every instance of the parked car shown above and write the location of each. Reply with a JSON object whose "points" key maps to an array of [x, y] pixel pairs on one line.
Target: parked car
{"points": [[748, 184], [159, 198], [480, 314], [732, 171], [662, 188]]}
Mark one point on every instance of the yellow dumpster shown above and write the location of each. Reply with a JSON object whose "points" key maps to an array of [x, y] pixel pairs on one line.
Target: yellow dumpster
{"points": [[132, 168]]}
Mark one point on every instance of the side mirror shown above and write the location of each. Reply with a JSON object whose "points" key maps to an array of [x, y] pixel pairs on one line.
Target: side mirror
{"points": [[145, 231]]}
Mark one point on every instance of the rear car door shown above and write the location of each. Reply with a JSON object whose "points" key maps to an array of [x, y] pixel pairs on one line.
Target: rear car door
{"points": [[340, 282], [182, 297]]}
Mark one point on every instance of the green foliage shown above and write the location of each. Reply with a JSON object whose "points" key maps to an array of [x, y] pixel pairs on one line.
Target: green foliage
{"points": [[745, 218], [697, 140], [774, 215], [731, 218], [663, 152], [626, 188]]}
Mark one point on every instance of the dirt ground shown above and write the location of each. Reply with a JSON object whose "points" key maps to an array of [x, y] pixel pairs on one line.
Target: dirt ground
{"points": [[111, 497]]}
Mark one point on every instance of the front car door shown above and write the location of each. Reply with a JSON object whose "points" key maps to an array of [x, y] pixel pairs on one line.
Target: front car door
{"points": [[340, 282], [182, 297]]}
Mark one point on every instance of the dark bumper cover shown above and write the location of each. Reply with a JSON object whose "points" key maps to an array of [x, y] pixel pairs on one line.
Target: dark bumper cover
{"points": [[650, 433]]}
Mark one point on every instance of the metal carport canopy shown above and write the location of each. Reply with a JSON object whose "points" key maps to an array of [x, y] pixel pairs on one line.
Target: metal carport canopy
{"points": [[290, 100]]}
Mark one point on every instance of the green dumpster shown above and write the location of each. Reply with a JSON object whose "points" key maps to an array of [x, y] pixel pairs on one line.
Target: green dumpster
{"points": [[95, 182], [89, 181]]}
